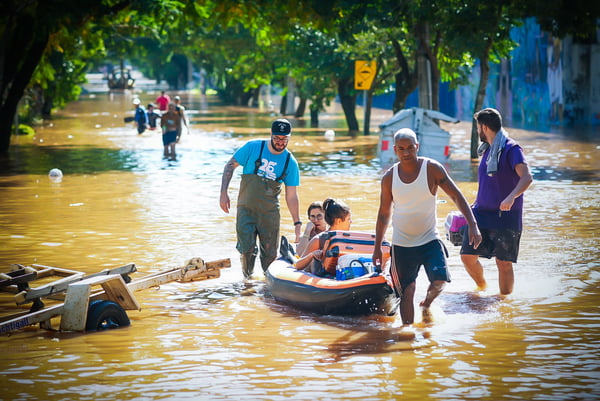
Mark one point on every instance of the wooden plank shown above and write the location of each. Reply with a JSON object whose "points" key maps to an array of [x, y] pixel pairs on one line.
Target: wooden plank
{"points": [[62, 284], [117, 291], [78, 297], [219, 264], [57, 271], [75, 307]]}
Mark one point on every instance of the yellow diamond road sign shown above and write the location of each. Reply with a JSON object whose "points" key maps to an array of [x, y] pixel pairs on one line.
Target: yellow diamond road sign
{"points": [[364, 73]]}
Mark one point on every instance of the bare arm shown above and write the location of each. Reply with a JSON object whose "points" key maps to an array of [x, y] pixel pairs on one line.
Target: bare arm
{"points": [[224, 201], [305, 261], [312, 251], [525, 180], [449, 187], [303, 243], [383, 215], [293, 204], [184, 119]]}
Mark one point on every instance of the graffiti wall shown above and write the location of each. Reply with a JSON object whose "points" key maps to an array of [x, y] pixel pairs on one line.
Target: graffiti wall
{"points": [[546, 82]]}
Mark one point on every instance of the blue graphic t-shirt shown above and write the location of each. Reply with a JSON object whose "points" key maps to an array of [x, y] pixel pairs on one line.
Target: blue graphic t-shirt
{"points": [[271, 165]]}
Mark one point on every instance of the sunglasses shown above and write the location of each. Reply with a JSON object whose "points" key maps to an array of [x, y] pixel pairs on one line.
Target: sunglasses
{"points": [[278, 138], [316, 216]]}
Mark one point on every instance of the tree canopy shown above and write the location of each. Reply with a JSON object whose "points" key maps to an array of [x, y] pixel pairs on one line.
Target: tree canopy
{"points": [[48, 46]]}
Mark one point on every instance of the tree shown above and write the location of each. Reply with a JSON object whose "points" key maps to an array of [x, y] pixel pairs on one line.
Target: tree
{"points": [[26, 28], [316, 59]]}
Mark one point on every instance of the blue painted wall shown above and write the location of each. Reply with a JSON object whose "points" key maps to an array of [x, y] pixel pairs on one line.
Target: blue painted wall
{"points": [[546, 82]]}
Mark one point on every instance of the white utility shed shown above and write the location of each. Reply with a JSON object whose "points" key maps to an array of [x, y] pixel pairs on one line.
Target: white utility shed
{"points": [[434, 142]]}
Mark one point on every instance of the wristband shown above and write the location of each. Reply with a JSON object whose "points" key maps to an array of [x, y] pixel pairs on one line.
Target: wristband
{"points": [[298, 223]]}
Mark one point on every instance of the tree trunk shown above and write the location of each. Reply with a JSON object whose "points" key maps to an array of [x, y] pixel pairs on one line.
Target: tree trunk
{"points": [[283, 105], [25, 32], [314, 118], [301, 108], [405, 79], [20, 53], [423, 66], [483, 79], [348, 100], [368, 108]]}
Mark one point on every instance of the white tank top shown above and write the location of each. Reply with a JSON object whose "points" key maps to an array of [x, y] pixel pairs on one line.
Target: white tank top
{"points": [[415, 210]]}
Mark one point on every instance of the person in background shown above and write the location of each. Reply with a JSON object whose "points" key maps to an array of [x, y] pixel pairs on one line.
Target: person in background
{"points": [[170, 122], [267, 164], [163, 101], [339, 217], [181, 110], [316, 224], [503, 177], [152, 117], [409, 199], [140, 118]]}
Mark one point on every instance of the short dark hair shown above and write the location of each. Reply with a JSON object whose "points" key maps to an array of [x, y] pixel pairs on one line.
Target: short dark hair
{"points": [[314, 205], [489, 117], [335, 210]]}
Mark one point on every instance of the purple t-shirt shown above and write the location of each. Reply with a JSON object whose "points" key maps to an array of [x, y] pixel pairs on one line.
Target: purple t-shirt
{"points": [[493, 190]]}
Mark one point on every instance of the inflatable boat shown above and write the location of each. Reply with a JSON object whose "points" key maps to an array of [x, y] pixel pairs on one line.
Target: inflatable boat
{"points": [[347, 291]]}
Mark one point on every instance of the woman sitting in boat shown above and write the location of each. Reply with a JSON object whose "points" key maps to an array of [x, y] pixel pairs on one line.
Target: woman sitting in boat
{"points": [[339, 218], [316, 225]]}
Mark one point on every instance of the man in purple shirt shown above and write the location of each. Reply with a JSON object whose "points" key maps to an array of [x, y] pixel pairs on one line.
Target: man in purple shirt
{"points": [[503, 177]]}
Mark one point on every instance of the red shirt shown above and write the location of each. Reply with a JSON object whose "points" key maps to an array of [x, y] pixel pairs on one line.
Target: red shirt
{"points": [[163, 101]]}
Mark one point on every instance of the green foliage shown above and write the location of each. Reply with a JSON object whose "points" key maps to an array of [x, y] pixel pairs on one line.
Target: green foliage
{"points": [[316, 60], [25, 130], [244, 44]]}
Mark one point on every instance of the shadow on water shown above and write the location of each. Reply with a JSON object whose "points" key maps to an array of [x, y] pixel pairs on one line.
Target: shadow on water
{"points": [[376, 341], [469, 302], [214, 295], [373, 334]]}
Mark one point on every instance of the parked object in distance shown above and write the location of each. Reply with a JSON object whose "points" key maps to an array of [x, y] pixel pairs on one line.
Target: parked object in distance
{"points": [[434, 142]]}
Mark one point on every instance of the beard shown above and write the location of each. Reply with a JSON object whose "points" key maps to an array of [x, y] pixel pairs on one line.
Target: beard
{"points": [[279, 147], [481, 136]]}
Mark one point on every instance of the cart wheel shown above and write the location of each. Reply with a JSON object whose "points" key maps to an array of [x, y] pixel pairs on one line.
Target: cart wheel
{"points": [[103, 315]]}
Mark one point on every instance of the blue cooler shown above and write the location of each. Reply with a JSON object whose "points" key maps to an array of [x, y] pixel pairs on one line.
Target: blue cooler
{"points": [[352, 266]]}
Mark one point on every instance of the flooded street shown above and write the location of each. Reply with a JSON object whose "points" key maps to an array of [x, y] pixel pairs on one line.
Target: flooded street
{"points": [[119, 202]]}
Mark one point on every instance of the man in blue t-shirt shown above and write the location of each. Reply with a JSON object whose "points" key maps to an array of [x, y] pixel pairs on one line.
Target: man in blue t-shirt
{"points": [[504, 176], [267, 164], [140, 117]]}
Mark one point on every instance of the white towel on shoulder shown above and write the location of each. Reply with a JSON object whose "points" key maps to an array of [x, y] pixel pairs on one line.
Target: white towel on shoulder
{"points": [[494, 155]]}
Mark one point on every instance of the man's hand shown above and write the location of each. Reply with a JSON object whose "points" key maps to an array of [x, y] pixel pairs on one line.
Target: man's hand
{"points": [[507, 203], [377, 259], [224, 202], [474, 236]]}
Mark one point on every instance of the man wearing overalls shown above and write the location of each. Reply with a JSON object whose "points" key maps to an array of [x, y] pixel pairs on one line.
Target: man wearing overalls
{"points": [[267, 164]]}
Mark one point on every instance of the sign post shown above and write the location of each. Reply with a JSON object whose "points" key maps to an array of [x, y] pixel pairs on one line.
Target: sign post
{"points": [[364, 74]]}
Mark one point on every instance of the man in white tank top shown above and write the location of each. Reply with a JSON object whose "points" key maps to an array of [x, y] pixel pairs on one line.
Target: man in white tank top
{"points": [[408, 198]]}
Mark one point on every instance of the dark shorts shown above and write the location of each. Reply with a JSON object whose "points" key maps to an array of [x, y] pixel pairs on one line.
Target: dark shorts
{"points": [[406, 262], [141, 128], [502, 244], [169, 137]]}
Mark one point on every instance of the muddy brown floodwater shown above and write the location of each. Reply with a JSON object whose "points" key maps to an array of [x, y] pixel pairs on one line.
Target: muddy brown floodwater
{"points": [[224, 339]]}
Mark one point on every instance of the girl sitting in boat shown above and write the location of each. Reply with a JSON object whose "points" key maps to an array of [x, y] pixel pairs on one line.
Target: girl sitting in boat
{"points": [[339, 218], [315, 225]]}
